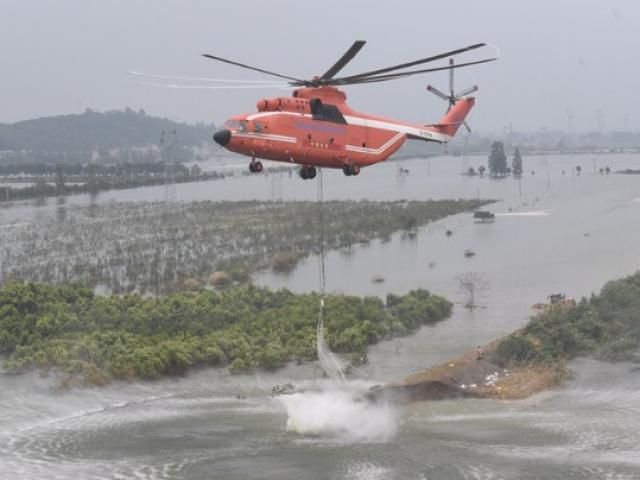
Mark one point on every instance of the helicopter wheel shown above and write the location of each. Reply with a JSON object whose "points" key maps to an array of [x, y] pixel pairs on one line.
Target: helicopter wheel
{"points": [[255, 167], [353, 169], [311, 173], [308, 173]]}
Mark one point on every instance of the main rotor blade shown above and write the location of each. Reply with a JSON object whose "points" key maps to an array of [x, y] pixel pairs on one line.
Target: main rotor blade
{"points": [[394, 76], [199, 79], [215, 87], [249, 67], [411, 64], [346, 58]]}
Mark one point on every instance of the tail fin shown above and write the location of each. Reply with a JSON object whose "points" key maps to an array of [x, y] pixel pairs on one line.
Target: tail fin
{"points": [[454, 118]]}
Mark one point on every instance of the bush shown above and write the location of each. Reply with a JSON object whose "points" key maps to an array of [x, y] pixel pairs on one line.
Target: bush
{"points": [[284, 262], [515, 349]]}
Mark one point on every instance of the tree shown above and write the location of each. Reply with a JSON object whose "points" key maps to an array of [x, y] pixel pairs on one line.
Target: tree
{"points": [[482, 169], [578, 169], [516, 164], [497, 160], [472, 285], [471, 172]]}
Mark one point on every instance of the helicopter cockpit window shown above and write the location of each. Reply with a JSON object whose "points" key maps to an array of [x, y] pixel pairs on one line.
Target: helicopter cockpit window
{"points": [[328, 113], [235, 124]]}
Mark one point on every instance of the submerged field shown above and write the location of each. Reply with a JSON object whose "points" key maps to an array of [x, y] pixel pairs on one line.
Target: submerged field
{"points": [[157, 247]]}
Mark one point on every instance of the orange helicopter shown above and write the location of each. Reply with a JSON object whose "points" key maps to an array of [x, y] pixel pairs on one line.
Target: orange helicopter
{"points": [[316, 128]]}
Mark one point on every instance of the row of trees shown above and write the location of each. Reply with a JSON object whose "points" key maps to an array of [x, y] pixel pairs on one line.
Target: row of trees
{"points": [[498, 162], [98, 338]]}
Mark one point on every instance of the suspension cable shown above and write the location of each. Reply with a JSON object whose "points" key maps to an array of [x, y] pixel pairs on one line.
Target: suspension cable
{"points": [[320, 227]]}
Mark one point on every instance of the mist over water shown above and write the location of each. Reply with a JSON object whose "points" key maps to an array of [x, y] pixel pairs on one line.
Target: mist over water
{"points": [[214, 425], [339, 411]]}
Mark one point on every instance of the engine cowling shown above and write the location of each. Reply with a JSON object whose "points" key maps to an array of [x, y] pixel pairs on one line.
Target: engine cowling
{"points": [[269, 104]]}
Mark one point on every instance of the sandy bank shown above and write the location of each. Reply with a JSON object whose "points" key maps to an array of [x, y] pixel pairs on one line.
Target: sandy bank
{"points": [[475, 374]]}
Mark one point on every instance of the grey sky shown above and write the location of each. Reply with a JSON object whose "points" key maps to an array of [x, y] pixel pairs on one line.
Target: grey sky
{"points": [[63, 56]]}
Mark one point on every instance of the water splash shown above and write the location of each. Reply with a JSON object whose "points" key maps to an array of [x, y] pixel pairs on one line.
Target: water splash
{"points": [[339, 412]]}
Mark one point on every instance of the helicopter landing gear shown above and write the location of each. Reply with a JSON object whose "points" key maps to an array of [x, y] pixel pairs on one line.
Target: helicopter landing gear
{"points": [[307, 172], [352, 169], [255, 166]]}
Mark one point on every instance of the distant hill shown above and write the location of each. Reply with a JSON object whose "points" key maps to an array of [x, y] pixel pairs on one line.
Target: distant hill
{"points": [[90, 130]]}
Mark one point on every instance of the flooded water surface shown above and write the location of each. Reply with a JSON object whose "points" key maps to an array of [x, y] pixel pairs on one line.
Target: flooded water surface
{"points": [[553, 232]]}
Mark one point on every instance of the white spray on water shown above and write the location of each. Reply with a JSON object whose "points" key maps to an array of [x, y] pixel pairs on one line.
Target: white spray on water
{"points": [[338, 412]]}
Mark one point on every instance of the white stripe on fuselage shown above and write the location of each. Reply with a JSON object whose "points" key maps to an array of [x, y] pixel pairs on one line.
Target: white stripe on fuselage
{"points": [[265, 136], [371, 123], [375, 151]]}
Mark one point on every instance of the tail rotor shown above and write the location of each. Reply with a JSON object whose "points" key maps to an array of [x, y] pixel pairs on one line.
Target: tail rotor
{"points": [[453, 96]]}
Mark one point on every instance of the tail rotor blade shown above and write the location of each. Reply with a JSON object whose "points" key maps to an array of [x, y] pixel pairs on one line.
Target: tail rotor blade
{"points": [[452, 93], [468, 91], [438, 93]]}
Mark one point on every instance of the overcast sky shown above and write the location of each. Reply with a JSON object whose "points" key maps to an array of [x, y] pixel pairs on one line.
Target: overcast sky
{"points": [[62, 56]]}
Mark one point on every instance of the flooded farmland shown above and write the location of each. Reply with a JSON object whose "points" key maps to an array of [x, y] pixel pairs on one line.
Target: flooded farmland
{"points": [[555, 231]]}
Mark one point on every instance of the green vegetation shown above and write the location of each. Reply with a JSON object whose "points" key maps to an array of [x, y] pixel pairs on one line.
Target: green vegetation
{"points": [[95, 338], [154, 247], [606, 325]]}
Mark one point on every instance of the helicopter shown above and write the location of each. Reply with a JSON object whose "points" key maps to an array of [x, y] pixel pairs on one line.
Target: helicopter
{"points": [[316, 128]]}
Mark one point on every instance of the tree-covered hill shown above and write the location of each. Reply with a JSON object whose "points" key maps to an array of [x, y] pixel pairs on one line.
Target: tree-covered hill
{"points": [[91, 130]]}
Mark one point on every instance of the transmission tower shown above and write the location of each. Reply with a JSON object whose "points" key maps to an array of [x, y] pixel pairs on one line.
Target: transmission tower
{"points": [[167, 154], [276, 187]]}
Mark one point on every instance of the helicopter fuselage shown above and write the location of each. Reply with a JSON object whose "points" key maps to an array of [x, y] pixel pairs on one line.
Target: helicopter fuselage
{"points": [[316, 128]]}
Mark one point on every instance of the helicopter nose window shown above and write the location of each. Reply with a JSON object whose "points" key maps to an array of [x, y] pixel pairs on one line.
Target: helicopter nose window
{"points": [[242, 127], [232, 124]]}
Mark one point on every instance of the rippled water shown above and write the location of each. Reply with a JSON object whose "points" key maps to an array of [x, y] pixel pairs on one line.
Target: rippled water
{"points": [[562, 233]]}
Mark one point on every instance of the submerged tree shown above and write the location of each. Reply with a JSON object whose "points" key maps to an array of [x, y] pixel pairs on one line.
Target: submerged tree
{"points": [[497, 160], [472, 285], [516, 164]]}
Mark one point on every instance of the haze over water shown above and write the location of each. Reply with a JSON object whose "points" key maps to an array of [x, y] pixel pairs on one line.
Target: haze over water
{"points": [[562, 233]]}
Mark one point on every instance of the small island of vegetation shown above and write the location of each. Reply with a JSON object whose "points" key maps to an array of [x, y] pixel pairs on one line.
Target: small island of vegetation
{"points": [[93, 339], [605, 326]]}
